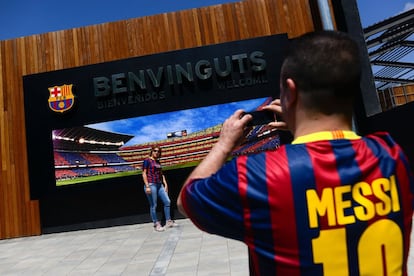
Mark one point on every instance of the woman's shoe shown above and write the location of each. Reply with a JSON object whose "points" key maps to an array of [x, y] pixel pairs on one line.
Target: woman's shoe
{"points": [[158, 227], [170, 223]]}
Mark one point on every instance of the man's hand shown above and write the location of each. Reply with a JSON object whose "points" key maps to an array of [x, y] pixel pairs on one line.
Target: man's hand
{"points": [[276, 107], [233, 131]]}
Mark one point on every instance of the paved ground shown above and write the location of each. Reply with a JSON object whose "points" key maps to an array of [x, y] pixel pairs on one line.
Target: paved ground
{"points": [[124, 250], [128, 250]]}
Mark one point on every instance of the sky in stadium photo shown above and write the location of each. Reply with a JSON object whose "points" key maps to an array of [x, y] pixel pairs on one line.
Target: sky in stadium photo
{"points": [[26, 17]]}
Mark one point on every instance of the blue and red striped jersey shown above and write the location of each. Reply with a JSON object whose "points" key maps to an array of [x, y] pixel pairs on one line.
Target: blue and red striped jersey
{"points": [[154, 170], [330, 203]]}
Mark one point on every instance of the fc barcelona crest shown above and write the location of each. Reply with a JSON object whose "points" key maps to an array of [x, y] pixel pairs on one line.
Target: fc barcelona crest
{"points": [[61, 98]]}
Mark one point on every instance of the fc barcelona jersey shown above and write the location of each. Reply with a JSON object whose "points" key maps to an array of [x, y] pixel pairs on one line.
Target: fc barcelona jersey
{"points": [[330, 203], [154, 170]]}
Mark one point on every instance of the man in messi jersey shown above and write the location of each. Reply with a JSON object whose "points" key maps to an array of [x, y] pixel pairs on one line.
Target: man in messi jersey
{"points": [[329, 203]]}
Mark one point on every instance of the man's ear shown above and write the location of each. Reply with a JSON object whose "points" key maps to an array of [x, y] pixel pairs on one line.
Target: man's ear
{"points": [[292, 95]]}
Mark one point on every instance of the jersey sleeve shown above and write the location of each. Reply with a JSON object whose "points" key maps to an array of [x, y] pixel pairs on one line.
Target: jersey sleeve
{"points": [[213, 204], [145, 164]]}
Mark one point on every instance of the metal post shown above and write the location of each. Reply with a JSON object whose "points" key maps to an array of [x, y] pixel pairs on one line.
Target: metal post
{"points": [[326, 16]]}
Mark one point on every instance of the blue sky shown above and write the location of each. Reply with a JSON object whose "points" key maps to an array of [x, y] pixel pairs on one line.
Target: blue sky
{"points": [[155, 127], [372, 11], [28, 17]]}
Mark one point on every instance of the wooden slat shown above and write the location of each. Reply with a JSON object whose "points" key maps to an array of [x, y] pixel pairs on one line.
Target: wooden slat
{"points": [[19, 215]]}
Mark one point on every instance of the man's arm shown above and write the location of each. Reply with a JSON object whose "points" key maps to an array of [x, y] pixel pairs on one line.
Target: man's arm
{"points": [[230, 136]]}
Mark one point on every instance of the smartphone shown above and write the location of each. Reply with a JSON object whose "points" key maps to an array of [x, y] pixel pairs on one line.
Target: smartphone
{"points": [[261, 117]]}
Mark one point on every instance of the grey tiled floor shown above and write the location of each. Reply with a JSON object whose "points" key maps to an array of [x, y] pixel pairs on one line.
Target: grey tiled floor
{"points": [[124, 250], [129, 250]]}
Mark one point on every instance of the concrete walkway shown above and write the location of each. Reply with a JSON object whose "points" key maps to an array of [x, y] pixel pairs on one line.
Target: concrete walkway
{"points": [[129, 250]]}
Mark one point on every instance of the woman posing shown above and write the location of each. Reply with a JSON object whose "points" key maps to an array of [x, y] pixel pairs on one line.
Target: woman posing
{"points": [[156, 186]]}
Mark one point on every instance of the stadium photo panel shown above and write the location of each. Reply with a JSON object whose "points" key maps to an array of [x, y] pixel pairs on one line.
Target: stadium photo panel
{"points": [[117, 148]]}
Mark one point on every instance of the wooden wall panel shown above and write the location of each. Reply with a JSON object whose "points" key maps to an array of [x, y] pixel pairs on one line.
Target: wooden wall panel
{"points": [[396, 96], [19, 215], [403, 94]]}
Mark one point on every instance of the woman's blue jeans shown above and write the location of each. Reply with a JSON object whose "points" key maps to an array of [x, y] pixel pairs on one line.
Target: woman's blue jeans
{"points": [[157, 190]]}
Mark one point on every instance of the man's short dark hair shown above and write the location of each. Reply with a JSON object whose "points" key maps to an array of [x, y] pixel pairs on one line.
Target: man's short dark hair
{"points": [[325, 66]]}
